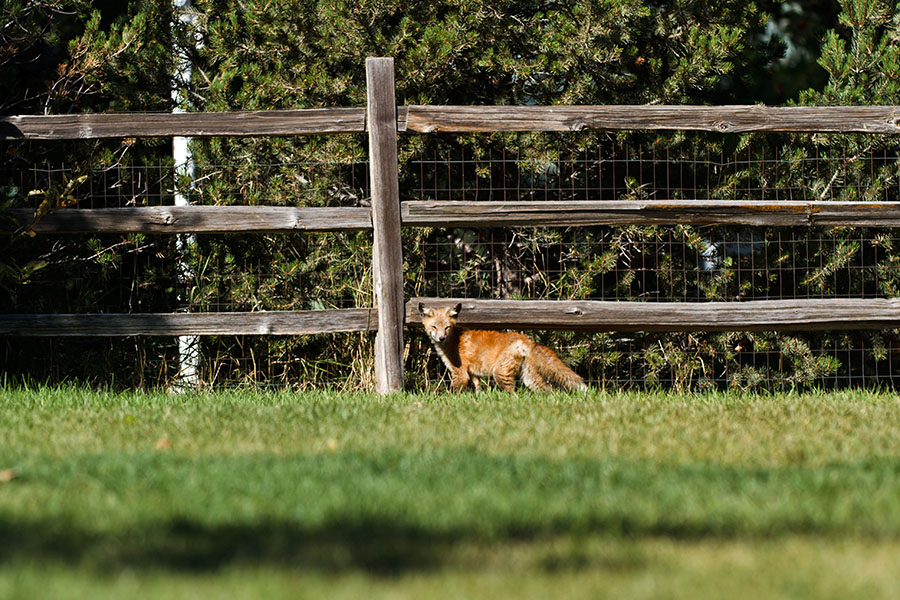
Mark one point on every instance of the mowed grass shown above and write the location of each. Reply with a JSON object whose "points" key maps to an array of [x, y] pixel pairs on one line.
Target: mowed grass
{"points": [[491, 495]]}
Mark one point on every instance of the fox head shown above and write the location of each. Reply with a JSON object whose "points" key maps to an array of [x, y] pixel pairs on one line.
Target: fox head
{"points": [[439, 322]]}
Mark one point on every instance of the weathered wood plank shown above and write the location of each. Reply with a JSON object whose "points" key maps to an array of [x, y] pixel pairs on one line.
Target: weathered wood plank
{"points": [[238, 123], [782, 315], [284, 219], [724, 119], [752, 315], [855, 214], [424, 119], [191, 219], [177, 324], [387, 254], [424, 213]]}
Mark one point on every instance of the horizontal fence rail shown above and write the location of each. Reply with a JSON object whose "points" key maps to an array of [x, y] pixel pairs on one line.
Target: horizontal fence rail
{"points": [[416, 213], [574, 315], [201, 124], [427, 119], [751, 315], [723, 119], [658, 212], [300, 322], [190, 219]]}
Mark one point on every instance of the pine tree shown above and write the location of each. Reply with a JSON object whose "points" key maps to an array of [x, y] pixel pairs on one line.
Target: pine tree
{"points": [[300, 54], [66, 56]]}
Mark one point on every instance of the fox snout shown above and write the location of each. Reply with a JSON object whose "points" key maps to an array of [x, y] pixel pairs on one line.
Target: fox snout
{"points": [[438, 322]]}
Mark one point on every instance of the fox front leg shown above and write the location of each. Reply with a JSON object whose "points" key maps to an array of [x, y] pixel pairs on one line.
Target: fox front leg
{"points": [[459, 379]]}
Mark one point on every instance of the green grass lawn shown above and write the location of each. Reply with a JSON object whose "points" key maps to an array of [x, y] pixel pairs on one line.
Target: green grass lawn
{"points": [[492, 495]]}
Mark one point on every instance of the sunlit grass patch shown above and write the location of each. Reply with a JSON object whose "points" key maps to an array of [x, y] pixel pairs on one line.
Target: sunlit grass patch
{"points": [[247, 491]]}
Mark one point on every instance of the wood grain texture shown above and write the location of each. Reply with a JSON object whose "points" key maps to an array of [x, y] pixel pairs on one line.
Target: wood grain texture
{"points": [[281, 219], [176, 324], [723, 119], [387, 252], [660, 212], [751, 315], [191, 219], [425, 119], [238, 123]]}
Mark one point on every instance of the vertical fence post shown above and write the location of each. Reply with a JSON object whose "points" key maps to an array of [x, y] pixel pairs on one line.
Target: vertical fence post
{"points": [[387, 255]]}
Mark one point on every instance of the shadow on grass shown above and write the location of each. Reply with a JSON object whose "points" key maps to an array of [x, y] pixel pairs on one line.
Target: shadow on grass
{"points": [[184, 546], [391, 513]]}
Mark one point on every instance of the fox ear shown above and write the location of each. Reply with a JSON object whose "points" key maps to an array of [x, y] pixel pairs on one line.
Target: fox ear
{"points": [[455, 310], [424, 310]]}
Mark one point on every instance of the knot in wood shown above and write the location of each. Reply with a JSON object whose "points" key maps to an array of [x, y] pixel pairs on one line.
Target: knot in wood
{"points": [[161, 218], [574, 311]]}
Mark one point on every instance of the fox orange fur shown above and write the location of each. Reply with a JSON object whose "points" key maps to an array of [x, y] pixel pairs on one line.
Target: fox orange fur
{"points": [[472, 354]]}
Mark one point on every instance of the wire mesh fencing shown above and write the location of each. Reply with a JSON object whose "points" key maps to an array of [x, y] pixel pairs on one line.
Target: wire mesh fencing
{"points": [[153, 273], [664, 264], [111, 273], [676, 263], [595, 166]]}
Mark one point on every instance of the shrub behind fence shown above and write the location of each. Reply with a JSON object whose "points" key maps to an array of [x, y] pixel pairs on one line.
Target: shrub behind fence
{"points": [[623, 231]]}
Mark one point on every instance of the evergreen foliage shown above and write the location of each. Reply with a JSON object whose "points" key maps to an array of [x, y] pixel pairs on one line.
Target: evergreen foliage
{"points": [[70, 56], [296, 55]]}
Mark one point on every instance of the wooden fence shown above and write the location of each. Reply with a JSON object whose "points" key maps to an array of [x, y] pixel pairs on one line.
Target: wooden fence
{"points": [[382, 120]]}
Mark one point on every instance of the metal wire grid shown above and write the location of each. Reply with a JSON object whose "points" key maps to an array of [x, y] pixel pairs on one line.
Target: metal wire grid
{"points": [[290, 362], [121, 184], [305, 271], [105, 186], [283, 184], [681, 264], [751, 362], [800, 168], [736, 361], [659, 264], [77, 274], [678, 263], [114, 362], [137, 273], [341, 361]]}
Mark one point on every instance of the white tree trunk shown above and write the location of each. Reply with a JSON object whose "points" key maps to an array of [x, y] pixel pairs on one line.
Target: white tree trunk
{"points": [[188, 377]]}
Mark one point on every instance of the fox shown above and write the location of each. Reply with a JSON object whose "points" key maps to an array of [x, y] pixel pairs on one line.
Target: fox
{"points": [[473, 354]]}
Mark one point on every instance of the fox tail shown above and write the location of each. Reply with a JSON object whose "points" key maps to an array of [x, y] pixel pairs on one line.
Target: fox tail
{"points": [[542, 365]]}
